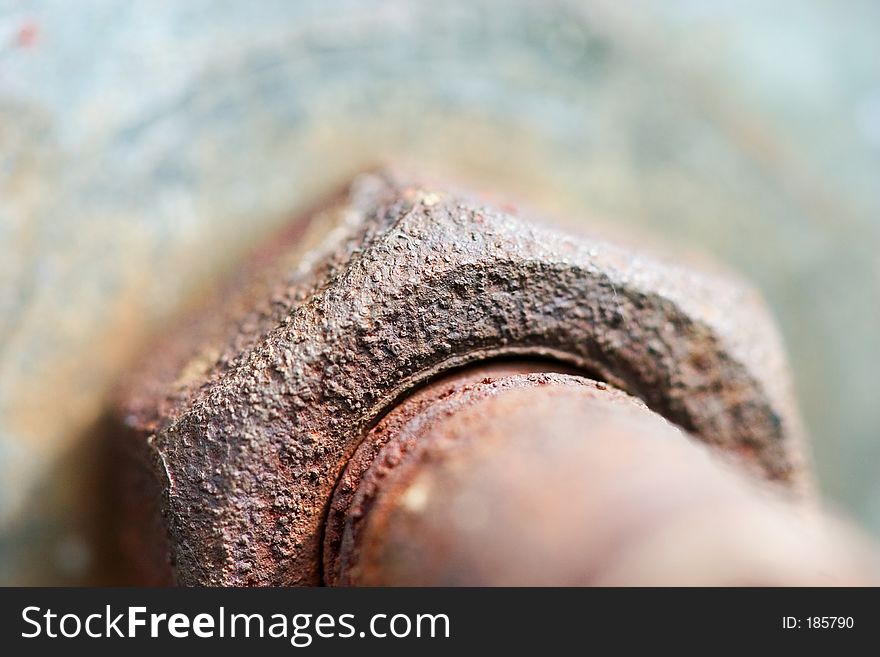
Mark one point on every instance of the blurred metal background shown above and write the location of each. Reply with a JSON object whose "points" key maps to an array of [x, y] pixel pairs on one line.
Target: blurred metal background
{"points": [[145, 145]]}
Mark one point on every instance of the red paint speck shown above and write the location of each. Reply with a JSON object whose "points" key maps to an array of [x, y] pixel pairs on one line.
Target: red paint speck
{"points": [[28, 34]]}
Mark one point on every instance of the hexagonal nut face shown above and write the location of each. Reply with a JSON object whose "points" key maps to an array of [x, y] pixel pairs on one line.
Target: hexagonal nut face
{"points": [[244, 419]]}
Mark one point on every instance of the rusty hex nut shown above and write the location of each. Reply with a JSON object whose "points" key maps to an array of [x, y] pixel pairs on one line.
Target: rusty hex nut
{"points": [[241, 422]]}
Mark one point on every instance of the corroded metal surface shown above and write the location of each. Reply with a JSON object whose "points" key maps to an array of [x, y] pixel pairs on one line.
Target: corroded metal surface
{"points": [[139, 160], [250, 413], [387, 444], [498, 478]]}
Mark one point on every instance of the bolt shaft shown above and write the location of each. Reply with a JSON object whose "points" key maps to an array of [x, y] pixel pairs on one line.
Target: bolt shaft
{"points": [[500, 478]]}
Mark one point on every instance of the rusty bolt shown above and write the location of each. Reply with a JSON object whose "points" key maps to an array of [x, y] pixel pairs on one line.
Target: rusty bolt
{"points": [[239, 425], [510, 475]]}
